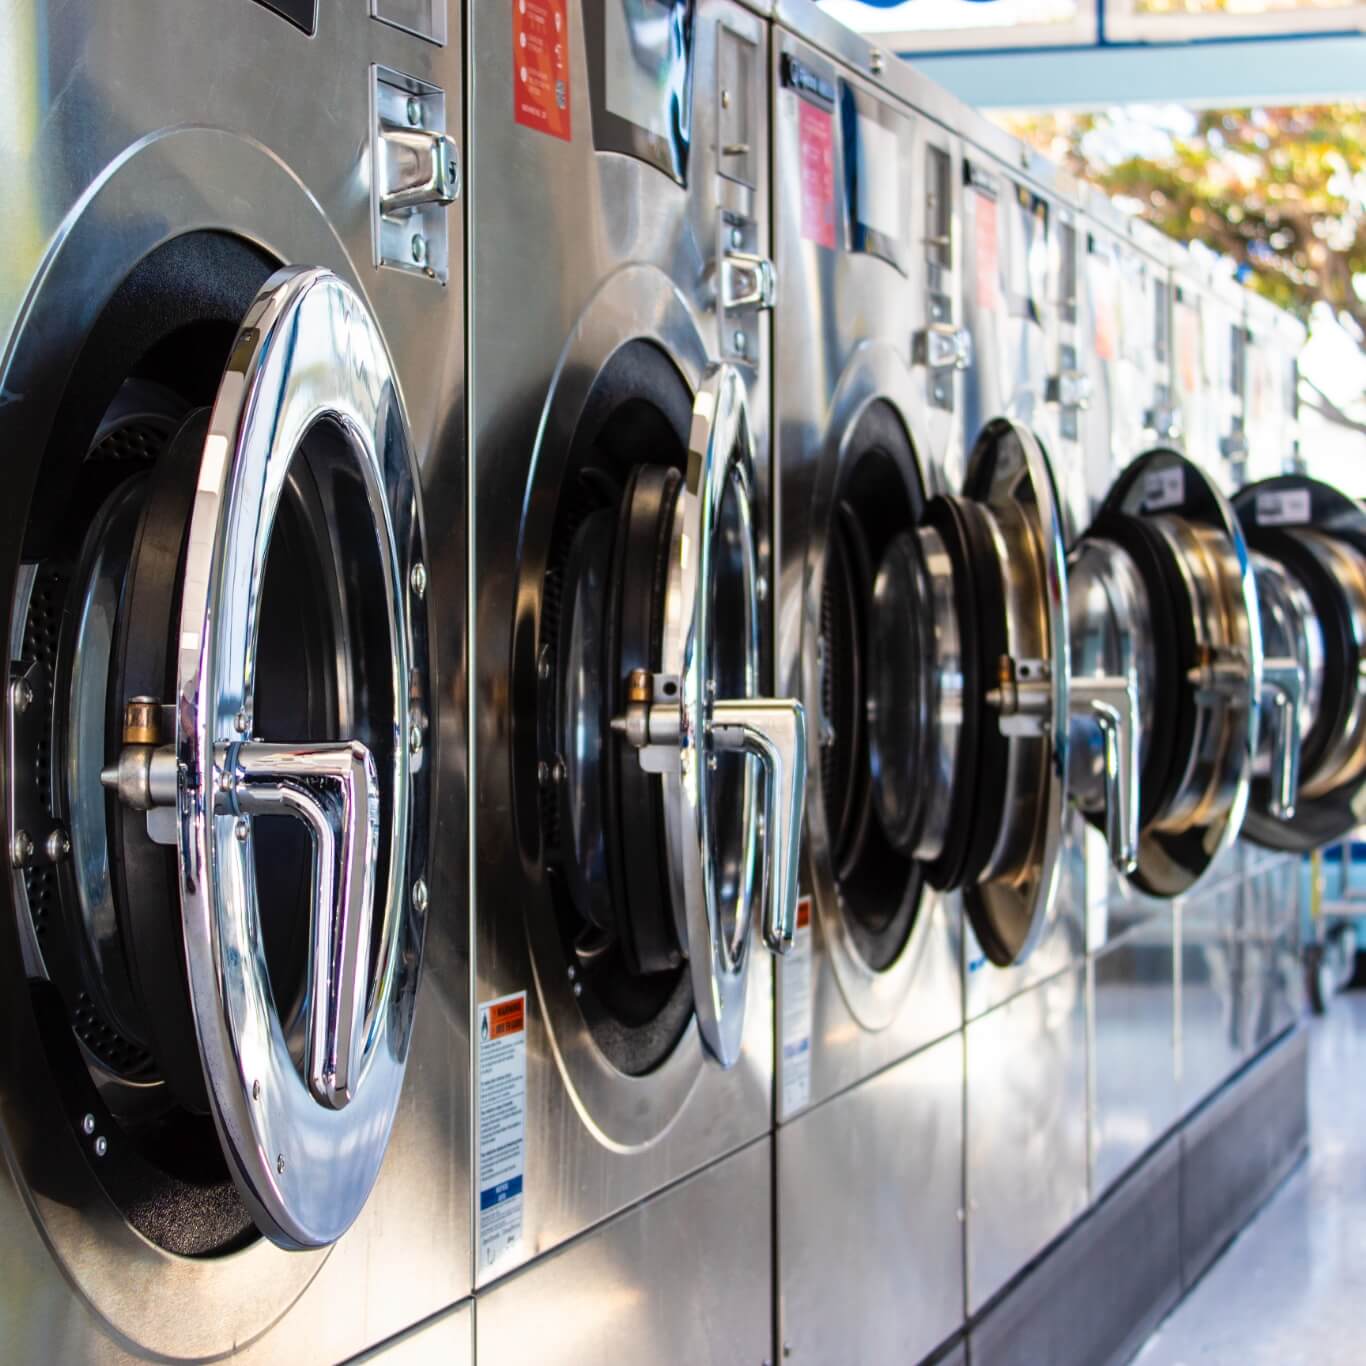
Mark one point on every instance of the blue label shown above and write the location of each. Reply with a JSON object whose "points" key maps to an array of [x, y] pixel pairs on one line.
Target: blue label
{"points": [[503, 1191]]}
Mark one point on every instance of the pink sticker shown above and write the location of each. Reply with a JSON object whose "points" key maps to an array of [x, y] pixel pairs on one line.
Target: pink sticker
{"points": [[987, 250], [816, 133]]}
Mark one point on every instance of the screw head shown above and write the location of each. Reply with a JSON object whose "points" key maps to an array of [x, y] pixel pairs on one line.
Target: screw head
{"points": [[88, 1124], [256, 1090], [414, 738], [21, 848], [241, 828], [557, 770], [741, 343], [578, 988], [419, 248], [101, 1146], [420, 896], [543, 773], [21, 694], [241, 723], [414, 112], [280, 1163], [737, 238], [57, 845], [417, 579]]}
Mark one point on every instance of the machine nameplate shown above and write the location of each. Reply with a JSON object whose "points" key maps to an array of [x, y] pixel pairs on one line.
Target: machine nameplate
{"points": [[1164, 488], [502, 1126], [1283, 507]]}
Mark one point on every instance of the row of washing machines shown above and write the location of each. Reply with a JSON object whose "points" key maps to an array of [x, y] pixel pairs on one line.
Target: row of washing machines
{"points": [[734, 506]]}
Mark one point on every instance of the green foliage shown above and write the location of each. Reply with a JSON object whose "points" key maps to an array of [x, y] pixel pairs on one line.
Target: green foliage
{"points": [[1281, 190]]}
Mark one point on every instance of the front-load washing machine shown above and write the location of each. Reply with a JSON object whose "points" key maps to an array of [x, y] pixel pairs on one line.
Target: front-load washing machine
{"points": [[234, 1079], [869, 353], [1308, 545], [639, 789]]}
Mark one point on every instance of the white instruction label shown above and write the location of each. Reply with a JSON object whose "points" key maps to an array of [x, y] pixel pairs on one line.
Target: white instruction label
{"points": [[1283, 507], [502, 1125], [1164, 488], [795, 1031]]}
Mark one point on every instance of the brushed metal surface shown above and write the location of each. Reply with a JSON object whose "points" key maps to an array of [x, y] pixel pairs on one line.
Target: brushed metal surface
{"points": [[870, 1233], [1211, 990], [124, 130], [448, 1338], [683, 1278], [1133, 1047], [1026, 1124], [573, 253], [846, 342]]}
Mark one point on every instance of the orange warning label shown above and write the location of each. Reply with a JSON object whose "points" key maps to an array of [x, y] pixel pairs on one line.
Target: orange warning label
{"points": [[804, 913], [540, 65], [507, 1017]]}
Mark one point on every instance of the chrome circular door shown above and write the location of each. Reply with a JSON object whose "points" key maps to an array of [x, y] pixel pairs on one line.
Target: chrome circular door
{"points": [[1162, 590], [301, 1076], [968, 716], [1308, 543], [683, 720]]}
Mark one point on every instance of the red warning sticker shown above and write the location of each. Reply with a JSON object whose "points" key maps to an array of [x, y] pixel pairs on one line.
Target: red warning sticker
{"points": [[804, 913], [506, 1017], [815, 130], [540, 65], [987, 251]]}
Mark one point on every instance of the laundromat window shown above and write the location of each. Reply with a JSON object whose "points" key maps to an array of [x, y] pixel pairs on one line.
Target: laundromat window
{"points": [[877, 176], [640, 60]]}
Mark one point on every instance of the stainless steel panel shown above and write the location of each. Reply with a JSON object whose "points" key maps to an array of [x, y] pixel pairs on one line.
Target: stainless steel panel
{"points": [[870, 1233], [448, 1338], [573, 253], [1212, 968], [683, 1278], [1133, 1047], [126, 129], [1026, 1129], [1062, 945]]}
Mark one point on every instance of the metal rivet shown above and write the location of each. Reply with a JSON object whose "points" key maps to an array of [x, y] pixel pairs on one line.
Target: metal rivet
{"points": [[414, 112], [88, 1124], [737, 238], [741, 343], [241, 722], [711, 761], [256, 1090], [573, 972], [578, 988], [725, 98], [101, 1146], [414, 738], [58, 845], [557, 770], [543, 773], [21, 694], [280, 1163], [417, 579], [420, 896], [21, 848], [241, 829], [875, 60], [419, 248], [543, 663]]}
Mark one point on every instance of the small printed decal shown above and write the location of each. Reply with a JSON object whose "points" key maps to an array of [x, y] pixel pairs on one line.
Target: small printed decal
{"points": [[540, 65]]}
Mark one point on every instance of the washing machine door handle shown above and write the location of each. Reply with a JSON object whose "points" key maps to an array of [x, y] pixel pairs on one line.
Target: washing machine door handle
{"points": [[1282, 687], [304, 1139]]}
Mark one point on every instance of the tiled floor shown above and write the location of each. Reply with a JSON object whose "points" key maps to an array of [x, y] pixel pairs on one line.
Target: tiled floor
{"points": [[1292, 1287]]}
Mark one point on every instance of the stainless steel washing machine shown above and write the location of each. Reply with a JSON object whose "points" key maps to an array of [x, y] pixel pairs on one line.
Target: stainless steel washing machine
{"points": [[639, 788], [234, 1083], [1308, 546], [869, 353], [1274, 340]]}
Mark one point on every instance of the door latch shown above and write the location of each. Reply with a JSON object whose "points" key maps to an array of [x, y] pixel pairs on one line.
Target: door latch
{"points": [[415, 174]]}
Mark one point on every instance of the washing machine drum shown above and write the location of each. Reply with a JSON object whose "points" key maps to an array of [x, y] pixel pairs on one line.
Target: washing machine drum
{"points": [[1308, 544], [222, 700], [676, 789], [1162, 579], [968, 692]]}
